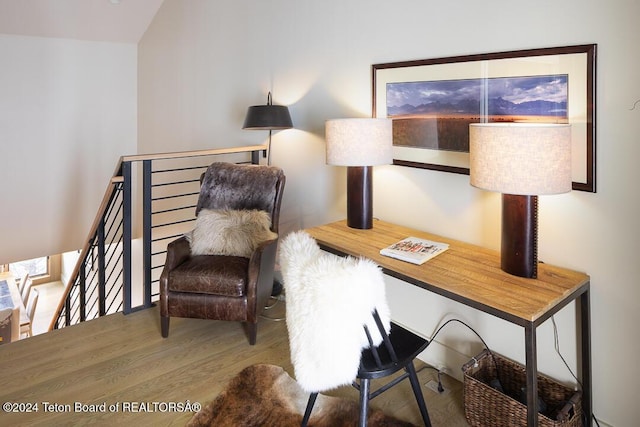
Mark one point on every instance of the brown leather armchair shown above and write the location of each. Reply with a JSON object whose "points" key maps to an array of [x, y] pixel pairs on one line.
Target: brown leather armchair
{"points": [[223, 287]]}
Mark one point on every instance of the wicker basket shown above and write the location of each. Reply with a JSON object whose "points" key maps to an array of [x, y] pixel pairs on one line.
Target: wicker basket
{"points": [[485, 406]]}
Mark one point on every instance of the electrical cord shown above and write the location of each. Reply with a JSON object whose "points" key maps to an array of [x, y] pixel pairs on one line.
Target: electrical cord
{"points": [[435, 334], [277, 299], [433, 337], [556, 345], [439, 373], [465, 324]]}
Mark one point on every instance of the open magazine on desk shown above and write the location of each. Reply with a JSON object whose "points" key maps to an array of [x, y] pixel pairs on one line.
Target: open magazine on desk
{"points": [[414, 250]]}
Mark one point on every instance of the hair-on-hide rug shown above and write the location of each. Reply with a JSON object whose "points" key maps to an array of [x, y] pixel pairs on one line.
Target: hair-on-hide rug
{"points": [[266, 396]]}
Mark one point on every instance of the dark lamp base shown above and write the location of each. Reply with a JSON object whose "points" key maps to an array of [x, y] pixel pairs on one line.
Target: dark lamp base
{"points": [[360, 197], [519, 250]]}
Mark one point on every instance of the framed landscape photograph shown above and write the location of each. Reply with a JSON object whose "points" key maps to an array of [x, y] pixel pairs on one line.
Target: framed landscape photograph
{"points": [[433, 101]]}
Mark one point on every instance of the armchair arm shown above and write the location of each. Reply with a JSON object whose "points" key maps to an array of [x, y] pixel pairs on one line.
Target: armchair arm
{"points": [[260, 281], [177, 252]]}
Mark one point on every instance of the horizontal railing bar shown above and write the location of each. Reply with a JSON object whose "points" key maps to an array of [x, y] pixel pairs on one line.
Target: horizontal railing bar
{"points": [[175, 196], [173, 236], [172, 210], [171, 223], [166, 184], [185, 154], [179, 169]]}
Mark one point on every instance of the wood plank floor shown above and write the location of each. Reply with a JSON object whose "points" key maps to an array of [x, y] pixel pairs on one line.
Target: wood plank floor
{"points": [[120, 359]]}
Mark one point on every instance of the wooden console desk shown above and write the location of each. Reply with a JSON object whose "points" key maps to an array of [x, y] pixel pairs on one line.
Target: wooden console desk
{"points": [[472, 276]]}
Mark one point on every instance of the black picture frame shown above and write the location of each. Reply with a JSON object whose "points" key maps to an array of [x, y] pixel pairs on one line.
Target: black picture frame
{"points": [[577, 62]]}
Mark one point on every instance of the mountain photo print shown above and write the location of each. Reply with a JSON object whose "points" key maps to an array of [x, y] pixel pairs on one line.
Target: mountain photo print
{"points": [[436, 114]]}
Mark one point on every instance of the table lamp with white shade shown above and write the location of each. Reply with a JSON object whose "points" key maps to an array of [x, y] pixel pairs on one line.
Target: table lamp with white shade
{"points": [[521, 161], [359, 144]]}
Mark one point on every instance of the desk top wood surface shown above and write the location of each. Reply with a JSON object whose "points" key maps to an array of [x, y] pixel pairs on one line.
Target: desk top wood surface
{"points": [[465, 272]]}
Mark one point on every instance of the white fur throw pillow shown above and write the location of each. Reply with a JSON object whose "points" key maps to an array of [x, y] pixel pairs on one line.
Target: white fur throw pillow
{"points": [[229, 232]]}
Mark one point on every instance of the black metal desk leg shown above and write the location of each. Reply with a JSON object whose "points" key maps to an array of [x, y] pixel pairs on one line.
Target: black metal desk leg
{"points": [[584, 308], [531, 354]]}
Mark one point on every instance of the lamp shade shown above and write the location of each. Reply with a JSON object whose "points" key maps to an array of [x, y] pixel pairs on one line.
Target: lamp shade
{"points": [[359, 142], [268, 117], [520, 158]]}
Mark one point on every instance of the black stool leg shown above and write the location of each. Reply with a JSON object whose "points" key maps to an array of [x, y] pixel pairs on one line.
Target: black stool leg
{"points": [[307, 412], [364, 401], [417, 391]]}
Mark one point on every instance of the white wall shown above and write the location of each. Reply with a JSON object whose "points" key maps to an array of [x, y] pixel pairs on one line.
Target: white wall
{"points": [[202, 63], [67, 113]]}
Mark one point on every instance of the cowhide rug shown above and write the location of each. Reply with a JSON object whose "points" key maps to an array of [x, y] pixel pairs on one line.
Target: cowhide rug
{"points": [[266, 396]]}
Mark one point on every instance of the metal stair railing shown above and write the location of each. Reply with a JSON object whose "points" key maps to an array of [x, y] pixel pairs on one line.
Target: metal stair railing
{"points": [[149, 201]]}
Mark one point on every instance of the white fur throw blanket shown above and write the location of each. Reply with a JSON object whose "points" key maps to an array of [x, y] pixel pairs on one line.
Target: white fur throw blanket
{"points": [[329, 300]]}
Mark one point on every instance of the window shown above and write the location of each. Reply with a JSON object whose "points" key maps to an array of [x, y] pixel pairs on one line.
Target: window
{"points": [[35, 267]]}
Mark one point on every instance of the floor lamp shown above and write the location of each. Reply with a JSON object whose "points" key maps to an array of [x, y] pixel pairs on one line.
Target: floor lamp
{"points": [[359, 144], [521, 161], [268, 117]]}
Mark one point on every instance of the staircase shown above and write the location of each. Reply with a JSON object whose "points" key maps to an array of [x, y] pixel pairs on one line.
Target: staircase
{"points": [[149, 201]]}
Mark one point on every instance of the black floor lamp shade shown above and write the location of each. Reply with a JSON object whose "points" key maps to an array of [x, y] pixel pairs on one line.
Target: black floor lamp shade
{"points": [[268, 117]]}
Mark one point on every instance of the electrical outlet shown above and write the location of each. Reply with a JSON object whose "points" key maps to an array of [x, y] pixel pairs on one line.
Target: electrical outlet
{"points": [[433, 386]]}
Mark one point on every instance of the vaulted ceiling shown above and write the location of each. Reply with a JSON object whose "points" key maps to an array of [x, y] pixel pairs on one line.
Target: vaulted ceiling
{"points": [[121, 21]]}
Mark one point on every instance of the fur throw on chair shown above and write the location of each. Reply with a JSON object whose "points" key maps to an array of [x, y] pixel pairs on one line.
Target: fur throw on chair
{"points": [[329, 300], [229, 232]]}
